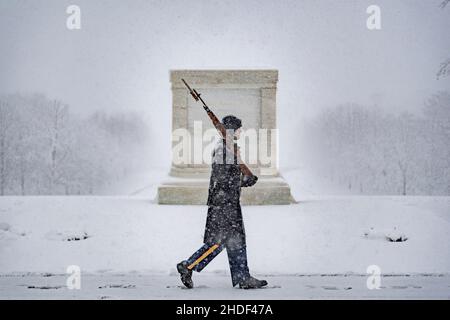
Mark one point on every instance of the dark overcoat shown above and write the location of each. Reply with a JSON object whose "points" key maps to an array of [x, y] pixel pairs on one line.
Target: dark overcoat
{"points": [[224, 222]]}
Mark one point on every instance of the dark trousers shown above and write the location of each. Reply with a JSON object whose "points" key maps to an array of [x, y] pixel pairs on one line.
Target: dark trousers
{"points": [[237, 258]]}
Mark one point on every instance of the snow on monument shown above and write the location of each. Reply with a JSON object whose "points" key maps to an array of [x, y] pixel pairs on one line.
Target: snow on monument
{"points": [[247, 94]]}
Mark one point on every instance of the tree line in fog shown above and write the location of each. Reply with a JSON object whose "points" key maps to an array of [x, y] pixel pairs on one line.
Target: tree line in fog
{"points": [[46, 149], [369, 151]]}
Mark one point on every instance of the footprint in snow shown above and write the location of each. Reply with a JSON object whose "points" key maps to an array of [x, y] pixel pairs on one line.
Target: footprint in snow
{"points": [[335, 288], [45, 287], [406, 287], [184, 288], [118, 286]]}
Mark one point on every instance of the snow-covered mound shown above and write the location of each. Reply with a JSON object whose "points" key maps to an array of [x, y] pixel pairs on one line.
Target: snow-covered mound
{"points": [[339, 234]]}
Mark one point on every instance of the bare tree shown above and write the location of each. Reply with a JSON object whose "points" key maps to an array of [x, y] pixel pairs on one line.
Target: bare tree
{"points": [[437, 135], [58, 113], [5, 126], [444, 69]]}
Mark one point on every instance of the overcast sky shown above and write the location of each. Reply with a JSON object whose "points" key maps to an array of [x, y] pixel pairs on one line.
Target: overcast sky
{"points": [[121, 57]]}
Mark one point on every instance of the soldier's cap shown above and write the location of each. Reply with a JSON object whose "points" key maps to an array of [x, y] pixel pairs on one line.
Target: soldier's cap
{"points": [[231, 122]]}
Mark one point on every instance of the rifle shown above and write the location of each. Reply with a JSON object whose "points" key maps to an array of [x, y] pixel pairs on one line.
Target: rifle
{"points": [[221, 128]]}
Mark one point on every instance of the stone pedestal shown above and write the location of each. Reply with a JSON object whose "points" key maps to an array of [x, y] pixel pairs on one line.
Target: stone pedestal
{"points": [[247, 94]]}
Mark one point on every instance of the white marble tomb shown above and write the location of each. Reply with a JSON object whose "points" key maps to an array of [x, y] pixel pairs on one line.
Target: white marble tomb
{"points": [[251, 96]]}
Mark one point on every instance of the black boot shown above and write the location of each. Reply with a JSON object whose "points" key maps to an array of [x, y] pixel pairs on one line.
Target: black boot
{"points": [[252, 283], [185, 274]]}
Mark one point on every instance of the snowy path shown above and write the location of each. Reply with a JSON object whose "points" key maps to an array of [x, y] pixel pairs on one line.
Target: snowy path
{"points": [[213, 286]]}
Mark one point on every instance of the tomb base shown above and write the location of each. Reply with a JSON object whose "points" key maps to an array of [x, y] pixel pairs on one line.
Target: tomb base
{"points": [[188, 191]]}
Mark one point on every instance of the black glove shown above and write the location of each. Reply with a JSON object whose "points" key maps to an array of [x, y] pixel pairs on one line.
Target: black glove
{"points": [[248, 181]]}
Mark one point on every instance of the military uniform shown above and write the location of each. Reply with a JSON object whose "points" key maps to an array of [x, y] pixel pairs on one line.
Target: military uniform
{"points": [[224, 224]]}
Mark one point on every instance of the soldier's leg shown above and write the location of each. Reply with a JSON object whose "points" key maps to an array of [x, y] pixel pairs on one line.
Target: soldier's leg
{"points": [[237, 258], [203, 256]]}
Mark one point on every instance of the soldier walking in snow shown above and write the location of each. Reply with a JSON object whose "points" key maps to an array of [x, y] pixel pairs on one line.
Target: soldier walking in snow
{"points": [[224, 223]]}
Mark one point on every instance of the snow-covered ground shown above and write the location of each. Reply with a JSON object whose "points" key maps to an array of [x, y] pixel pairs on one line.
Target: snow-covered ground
{"points": [[218, 286], [336, 236], [317, 235]]}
